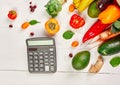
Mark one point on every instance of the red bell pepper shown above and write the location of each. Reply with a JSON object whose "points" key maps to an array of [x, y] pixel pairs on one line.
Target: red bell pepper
{"points": [[76, 21], [95, 30]]}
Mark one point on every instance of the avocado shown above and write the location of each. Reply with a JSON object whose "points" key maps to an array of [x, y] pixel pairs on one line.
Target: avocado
{"points": [[81, 60]]}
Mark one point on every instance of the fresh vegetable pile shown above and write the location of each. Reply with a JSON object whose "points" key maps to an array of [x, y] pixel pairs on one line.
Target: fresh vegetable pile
{"points": [[106, 29]]}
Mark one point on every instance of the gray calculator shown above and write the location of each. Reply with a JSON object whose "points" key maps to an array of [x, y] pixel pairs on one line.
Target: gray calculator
{"points": [[41, 52]]}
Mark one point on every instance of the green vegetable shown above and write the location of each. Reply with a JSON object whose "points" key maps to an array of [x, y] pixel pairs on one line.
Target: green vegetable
{"points": [[68, 34], [93, 11], [81, 60], [110, 46], [53, 7], [33, 22], [116, 26], [115, 61]]}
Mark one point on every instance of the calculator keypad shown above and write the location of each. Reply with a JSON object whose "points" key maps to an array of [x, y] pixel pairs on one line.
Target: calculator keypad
{"points": [[42, 60]]}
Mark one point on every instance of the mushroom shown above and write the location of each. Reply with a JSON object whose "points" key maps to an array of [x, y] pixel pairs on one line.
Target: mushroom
{"points": [[97, 66]]}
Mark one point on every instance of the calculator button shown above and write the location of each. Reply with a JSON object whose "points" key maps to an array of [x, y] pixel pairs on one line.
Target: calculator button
{"points": [[41, 65], [40, 53], [52, 68], [46, 60], [31, 65], [51, 53], [36, 69], [46, 56], [31, 69], [46, 53], [51, 49], [46, 68], [41, 57], [30, 53], [46, 63], [41, 61], [30, 57], [41, 69], [35, 53], [51, 59], [36, 65], [51, 56], [51, 63], [36, 61], [35, 57], [30, 61]]}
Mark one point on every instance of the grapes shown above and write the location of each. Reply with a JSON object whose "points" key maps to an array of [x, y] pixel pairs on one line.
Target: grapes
{"points": [[70, 55], [32, 7], [32, 34], [10, 26]]}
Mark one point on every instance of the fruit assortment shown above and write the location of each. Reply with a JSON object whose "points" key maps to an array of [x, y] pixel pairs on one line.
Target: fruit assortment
{"points": [[107, 13], [106, 27]]}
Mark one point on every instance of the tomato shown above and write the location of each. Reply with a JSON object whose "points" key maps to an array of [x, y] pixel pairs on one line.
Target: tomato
{"points": [[12, 14], [76, 21]]}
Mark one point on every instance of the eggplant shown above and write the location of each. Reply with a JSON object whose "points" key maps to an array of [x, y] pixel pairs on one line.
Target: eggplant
{"points": [[102, 4]]}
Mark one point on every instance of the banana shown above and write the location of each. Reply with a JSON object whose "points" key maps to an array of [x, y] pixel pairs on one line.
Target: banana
{"points": [[81, 5]]}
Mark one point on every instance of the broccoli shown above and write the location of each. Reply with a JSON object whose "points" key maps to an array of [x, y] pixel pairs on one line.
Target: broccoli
{"points": [[53, 7]]}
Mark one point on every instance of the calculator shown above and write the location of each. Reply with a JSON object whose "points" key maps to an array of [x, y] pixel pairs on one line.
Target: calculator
{"points": [[41, 53]]}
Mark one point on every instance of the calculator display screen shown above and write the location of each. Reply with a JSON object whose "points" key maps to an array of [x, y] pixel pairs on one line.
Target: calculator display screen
{"points": [[40, 42]]}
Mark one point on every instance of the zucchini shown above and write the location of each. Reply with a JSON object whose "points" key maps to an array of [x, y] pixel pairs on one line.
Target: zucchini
{"points": [[110, 46], [116, 26]]}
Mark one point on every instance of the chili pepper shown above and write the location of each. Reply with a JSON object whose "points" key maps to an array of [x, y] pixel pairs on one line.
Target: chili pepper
{"points": [[110, 14], [52, 26], [94, 30], [76, 21]]}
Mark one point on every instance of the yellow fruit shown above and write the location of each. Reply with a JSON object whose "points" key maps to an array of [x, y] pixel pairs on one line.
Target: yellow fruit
{"points": [[76, 3], [84, 4]]}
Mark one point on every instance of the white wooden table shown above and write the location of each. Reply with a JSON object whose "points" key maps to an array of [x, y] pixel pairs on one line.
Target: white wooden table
{"points": [[13, 51]]}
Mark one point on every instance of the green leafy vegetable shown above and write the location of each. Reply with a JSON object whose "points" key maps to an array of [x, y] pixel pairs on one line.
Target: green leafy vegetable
{"points": [[115, 61], [68, 34], [53, 7], [33, 22]]}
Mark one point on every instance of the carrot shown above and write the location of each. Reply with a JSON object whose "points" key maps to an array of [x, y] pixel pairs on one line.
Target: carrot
{"points": [[107, 35], [75, 44], [25, 25], [71, 8]]}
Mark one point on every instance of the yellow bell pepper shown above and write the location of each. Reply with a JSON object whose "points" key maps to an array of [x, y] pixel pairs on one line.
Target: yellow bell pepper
{"points": [[52, 26], [110, 14], [81, 5]]}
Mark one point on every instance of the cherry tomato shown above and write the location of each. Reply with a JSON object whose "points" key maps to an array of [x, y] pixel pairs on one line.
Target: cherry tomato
{"points": [[12, 14], [76, 21]]}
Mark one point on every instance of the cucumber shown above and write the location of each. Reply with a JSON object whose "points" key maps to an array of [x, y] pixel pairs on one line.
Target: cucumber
{"points": [[115, 27], [110, 46]]}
